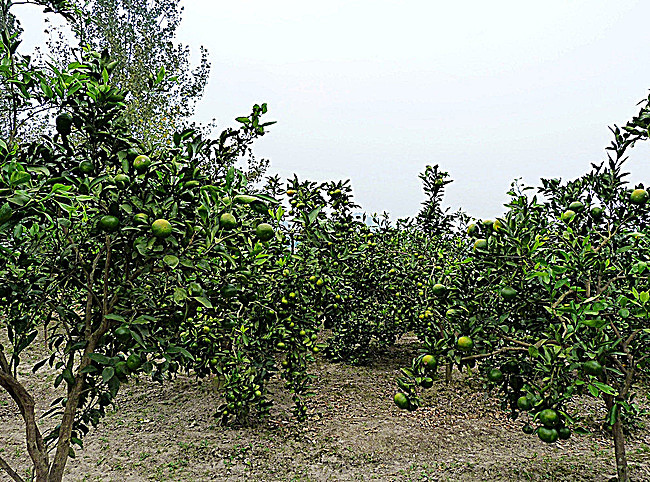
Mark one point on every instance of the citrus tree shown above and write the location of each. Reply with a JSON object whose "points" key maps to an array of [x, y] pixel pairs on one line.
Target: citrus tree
{"points": [[107, 249], [552, 298]]}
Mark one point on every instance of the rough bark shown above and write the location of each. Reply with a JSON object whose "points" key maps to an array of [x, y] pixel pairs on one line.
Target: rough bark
{"points": [[619, 443]]}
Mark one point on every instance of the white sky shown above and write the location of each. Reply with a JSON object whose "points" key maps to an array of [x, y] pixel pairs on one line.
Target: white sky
{"points": [[375, 90]]}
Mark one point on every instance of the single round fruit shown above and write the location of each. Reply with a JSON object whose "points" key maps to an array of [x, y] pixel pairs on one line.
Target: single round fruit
{"points": [[121, 370], [488, 224], [567, 215], [564, 433], [480, 244], [576, 206], [548, 435], [524, 403], [401, 400], [141, 163], [495, 375], [465, 343], [141, 218], [453, 313], [109, 223], [122, 333], [122, 181], [264, 232], [134, 361], [429, 362], [320, 282], [497, 226], [549, 417], [472, 229], [280, 345], [639, 196], [86, 167], [227, 221], [229, 291], [161, 228], [597, 212], [592, 367], [438, 289], [64, 124], [508, 293], [527, 429]]}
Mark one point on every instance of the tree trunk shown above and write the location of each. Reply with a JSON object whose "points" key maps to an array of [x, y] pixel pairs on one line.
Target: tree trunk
{"points": [[619, 444], [448, 373]]}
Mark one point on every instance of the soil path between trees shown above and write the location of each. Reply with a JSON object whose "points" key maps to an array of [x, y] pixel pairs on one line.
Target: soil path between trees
{"points": [[354, 432]]}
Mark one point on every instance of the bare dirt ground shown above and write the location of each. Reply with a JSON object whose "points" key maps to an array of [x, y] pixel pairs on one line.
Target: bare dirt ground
{"points": [[354, 432]]}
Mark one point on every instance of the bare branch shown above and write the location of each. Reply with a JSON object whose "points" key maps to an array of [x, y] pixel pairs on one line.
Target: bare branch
{"points": [[12, 473]]}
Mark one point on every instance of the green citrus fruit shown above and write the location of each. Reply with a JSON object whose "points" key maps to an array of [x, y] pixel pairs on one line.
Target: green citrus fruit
{"points": [[429, 362], [141, 163], [567, 215], [122, 333], [109, 223], [64, 124], [86, 167], [121, 370], [480, 244], [497, 226], [488, 224], [465, 343], [639, 196], [264, 232], [564, 433], [227, 221], [597, 212], [549, 417], [508, 293], [229, 291], [122, 181], [161, 228], [592, 367], [320, 282], [453, 313], [527, 429], [438, 289], [141, 218], [576, 206], [495, 375], [472, 229], [134, 361], [401, 400], [548, 435], [280, 345], [524, 403]]}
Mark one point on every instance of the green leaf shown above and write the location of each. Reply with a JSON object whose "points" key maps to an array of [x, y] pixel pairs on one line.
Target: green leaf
{"points": [[180, 349], [114, 317], [594, 322], [644, 296], [180, 295], [204, 301], [108, 373], [171, 261], [605, 388], [99, 358]]}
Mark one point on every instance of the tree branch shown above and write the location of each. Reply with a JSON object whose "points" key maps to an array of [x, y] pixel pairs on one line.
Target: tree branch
{"points": [[12, 473]]}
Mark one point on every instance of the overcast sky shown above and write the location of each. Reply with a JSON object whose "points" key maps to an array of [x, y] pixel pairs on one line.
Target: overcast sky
{"points": [[375, 90]]}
